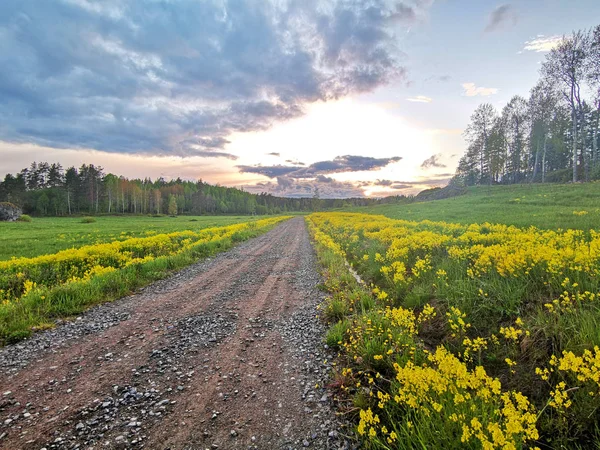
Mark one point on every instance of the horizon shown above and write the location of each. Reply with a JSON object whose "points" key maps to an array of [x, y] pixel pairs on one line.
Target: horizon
{"points": [[274, 97]]}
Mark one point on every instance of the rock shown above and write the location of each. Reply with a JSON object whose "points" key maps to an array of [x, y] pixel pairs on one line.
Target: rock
{"points": [[9, 212]]}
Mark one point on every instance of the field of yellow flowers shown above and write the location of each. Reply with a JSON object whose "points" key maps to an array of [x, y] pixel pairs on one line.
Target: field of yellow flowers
{"points": [[463, 336], [35, 291]]}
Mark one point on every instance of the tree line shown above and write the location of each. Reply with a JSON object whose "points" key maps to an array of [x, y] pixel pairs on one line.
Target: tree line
{"points": [[46, 189], [551, 136]]}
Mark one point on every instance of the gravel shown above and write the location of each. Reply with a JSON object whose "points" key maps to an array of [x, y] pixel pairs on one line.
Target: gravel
{"points": [[186, 354]]}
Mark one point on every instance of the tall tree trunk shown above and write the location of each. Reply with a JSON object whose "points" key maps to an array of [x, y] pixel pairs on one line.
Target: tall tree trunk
{"points": [[595, 136], [586, 157], [537, 160], [574, 114], [544, 159], [97, 196]]}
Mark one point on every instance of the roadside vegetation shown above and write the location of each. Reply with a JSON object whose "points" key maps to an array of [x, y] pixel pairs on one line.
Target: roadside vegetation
{"points": [[36, 291], [44, 235], [550, 206], [463, 336]]}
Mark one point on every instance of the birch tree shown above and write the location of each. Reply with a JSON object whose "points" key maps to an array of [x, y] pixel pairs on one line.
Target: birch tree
{"points": [[565, 66]]}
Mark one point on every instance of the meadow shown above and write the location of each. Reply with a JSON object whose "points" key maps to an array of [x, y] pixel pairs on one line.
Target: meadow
{"points": [[44, 235], [549, 206], [35, 291], [463, 336]]}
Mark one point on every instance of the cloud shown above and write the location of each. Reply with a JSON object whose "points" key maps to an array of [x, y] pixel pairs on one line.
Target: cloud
{"points": [[179, 77], [542, 43], [420, 99], [328, 188], [324, 179], [339, 164], [471, 90], [433, 161], [273, 154], [502, 16], [269, 171]]}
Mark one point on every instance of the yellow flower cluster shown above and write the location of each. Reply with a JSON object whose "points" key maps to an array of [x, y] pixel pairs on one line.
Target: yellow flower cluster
{"points": [[20, 276], [419, 374], [487, 248]]}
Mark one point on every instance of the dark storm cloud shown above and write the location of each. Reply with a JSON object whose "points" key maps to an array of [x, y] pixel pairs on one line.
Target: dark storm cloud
{"points": [[432, 161], [501, 16], [269, 171], [180, 77], [340, 164]]}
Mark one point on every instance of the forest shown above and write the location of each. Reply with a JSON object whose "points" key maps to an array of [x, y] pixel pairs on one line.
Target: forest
{"points": [[46, 189], [551, 136]]}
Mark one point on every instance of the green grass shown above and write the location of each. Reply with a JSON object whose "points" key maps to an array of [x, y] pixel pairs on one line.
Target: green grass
{"points": [[549, 206], [37, 309], [49, 235]]}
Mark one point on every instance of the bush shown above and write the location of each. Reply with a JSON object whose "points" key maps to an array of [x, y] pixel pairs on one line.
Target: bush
{"points": [[24, 218], [88, 220]]}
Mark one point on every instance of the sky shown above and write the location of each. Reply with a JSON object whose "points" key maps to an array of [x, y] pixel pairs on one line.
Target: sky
{"points": [[348, 97]]}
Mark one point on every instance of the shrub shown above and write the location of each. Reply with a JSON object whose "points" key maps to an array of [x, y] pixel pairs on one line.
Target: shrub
{"points": [[24, 218], [88, 220]]}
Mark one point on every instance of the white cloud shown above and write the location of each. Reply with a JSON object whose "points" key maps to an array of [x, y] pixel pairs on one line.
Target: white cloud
{"points": [[542, 43], [471, 90], [420, 99]]}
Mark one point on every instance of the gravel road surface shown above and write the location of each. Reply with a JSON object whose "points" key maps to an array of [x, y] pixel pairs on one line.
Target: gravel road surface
{"points": [[225, 354]]}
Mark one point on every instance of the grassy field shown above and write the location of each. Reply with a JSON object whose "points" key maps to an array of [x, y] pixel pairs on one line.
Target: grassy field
{"points": [[544, 206], [49, 235], [35, 291]]}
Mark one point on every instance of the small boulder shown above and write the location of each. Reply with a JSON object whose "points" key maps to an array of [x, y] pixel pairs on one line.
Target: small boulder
{"points": [[9, 212]]}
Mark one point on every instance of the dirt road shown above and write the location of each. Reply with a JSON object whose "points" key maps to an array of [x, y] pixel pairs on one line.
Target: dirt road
{"points": [[225, 354]]}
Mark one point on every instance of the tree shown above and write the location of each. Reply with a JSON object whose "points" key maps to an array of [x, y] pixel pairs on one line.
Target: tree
{"points": [[42, 204], [477, 134], [542, 103], [172, 208], [565, 66], [593, 78], [71, 185], [515, 119]]}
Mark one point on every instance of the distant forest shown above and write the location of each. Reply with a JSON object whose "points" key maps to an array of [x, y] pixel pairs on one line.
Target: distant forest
{"points": [[553, 135], [45, 189]]}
